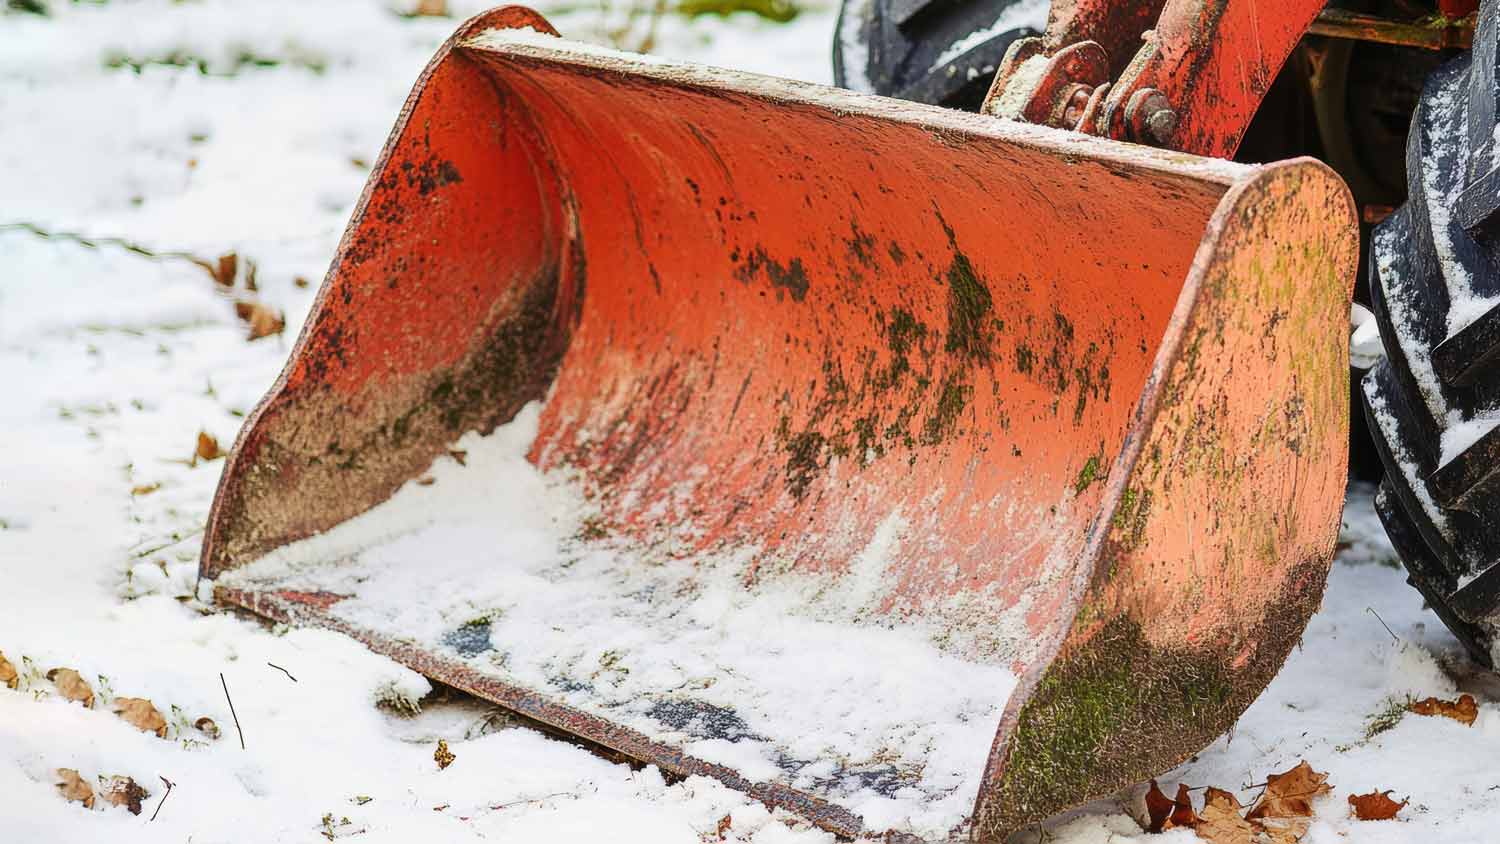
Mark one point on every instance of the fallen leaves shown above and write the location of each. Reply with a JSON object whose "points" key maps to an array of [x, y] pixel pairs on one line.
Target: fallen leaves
{"points": [[71, 686], [263, 321], [228, 269], [117, 790], [1464, 710], [443, 756], [74, 788], [1290, 794], [206, 726], [207, 448], [123, 791], [1158, 808], [1375, 806], [8, 674], [1282, 814], [1221, 822], [1168, 814], [141, 714]]}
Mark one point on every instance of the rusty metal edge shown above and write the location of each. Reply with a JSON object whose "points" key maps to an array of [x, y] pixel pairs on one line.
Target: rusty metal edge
{"points": [[507, 17], [545, 710], [951, 124], [1123, 468]]}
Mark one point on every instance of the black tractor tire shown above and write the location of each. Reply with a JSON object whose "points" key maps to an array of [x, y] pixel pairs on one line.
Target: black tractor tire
{"points": [[940, 52], [1433, 401]]}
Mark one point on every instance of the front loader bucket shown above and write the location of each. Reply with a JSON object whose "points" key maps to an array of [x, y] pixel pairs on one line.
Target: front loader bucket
{"points": [[915, 471]]}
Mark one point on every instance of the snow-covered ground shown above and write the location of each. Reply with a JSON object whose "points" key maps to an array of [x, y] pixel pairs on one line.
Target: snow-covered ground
{"points": [[112, 362]]}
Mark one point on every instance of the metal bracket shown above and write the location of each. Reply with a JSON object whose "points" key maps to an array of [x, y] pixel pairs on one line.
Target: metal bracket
{"points": [[1184, 74]]}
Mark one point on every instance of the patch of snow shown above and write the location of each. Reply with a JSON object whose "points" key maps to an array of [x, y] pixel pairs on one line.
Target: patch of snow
{"points": [[1458, 436], [1365, 349], [856, 52], [1021, 14], [1407, 461], [792, 681]]}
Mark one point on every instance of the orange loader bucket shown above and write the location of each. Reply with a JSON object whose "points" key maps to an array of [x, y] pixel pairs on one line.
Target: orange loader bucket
{"points": [[915, 471]]}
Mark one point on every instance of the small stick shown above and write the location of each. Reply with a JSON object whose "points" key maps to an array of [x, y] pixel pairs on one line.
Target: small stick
{"points": [[283, 671], [535, 799], [1394, 637], [231, 710], [170, 784]]}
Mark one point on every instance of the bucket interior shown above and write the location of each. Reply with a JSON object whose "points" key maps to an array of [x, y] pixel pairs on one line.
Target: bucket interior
{"points": [[767, 430]]}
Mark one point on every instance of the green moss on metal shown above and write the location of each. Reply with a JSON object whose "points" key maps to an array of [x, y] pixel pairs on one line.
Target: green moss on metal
{"points": [[1089, 473], [943, 421], [804, 456], [1093, 712], [1025, 359], [969, 305]]}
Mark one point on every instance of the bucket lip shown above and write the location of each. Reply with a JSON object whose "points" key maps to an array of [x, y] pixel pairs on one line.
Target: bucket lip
{"points": [[530, 44]]}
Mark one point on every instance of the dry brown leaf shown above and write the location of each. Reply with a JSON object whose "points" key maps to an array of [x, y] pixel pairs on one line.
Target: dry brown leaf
{"points": [[8, 674], [300, 281], [1290, 793], [71, 686], [1375, 806], [74, 788], [206, 726], [443, 756], [145, 489], [431, 8], [208, 448], [227, 268], [141, 714], [1281, 830], [1182, 810], [722, 830], [1158, 808], [1221, 822], [1463, 710], [263, 321], [123, 791]]}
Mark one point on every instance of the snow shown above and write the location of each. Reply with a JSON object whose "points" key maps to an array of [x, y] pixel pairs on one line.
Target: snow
{"points": [[1365, 349], [856, 53], [1023, 14], [1459, 436], [114, 362], [489, 562]]}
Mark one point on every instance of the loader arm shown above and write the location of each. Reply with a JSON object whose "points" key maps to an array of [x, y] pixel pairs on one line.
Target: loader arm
{"points": [[1186, 75]]}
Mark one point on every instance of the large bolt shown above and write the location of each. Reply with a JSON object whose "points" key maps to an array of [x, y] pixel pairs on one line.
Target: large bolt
{"points": [[1150, 116]]}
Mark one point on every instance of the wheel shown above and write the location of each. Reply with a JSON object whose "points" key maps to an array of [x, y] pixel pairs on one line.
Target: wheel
{"points": [[942, 52], [1433, 402]]}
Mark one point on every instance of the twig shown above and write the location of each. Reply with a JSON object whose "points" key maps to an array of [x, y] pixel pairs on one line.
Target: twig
{"points": [[534, 799], [283, 671], [231, 710], [96, 242], [164, 546], [164, 796], [1394, 637]]}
